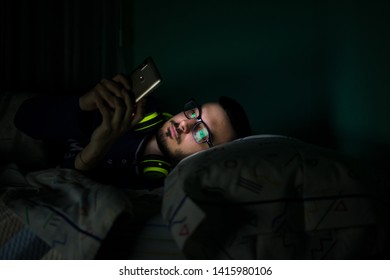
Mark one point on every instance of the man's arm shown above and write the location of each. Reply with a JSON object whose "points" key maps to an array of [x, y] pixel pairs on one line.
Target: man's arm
{"points": [[61, 117]]}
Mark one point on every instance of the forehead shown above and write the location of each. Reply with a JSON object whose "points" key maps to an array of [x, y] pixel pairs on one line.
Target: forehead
{"points": [[218, 122]]}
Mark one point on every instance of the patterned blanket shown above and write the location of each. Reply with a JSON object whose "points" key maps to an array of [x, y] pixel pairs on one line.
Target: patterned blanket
{"points": [[55, 213]]}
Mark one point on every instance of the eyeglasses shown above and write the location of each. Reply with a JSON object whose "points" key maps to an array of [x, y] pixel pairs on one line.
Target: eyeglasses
{"points": [[200, 130]]}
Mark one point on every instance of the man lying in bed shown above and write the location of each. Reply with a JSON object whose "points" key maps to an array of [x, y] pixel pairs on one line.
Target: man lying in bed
{"points": [[115, 141]]}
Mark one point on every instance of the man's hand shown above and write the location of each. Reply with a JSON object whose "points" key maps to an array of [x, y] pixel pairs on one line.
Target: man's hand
{"points": [[106, 91], [119, 112]]}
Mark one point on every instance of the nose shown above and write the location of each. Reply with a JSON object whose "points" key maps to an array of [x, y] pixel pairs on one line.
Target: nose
{"points": [[186, 125]]}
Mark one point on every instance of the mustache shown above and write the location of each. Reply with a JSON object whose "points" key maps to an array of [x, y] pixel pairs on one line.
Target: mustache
{"points": [[178, 131]]}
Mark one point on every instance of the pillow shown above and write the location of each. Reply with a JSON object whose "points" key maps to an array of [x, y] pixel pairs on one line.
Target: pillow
{"points": [[273, 197]]}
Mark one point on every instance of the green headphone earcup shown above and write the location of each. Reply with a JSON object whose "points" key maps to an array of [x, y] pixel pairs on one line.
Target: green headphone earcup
{"points": [[154, 167]]}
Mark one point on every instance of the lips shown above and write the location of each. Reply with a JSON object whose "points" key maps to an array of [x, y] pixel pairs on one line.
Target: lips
{"points": [[173, 132]]}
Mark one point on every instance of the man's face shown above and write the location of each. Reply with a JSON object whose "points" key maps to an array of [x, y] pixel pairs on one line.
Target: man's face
{"points": [[175, 137]]}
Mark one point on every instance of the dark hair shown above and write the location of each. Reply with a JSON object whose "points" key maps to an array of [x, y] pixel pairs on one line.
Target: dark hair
{"points": [[237, 116]]}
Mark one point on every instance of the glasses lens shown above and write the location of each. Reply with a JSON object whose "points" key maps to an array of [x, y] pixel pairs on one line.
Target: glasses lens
{"points": [[201, 133], [191, 110]]}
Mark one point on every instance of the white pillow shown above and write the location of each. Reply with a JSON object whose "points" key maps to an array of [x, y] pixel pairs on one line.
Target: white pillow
{"points": [[276, 197]]}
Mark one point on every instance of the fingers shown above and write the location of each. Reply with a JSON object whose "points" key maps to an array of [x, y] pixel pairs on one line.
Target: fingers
{"points": [[127, 97], [121, 79], [130, 109], [104, 93], [109, 89], [119, 122], [106, 113], [117, 106], [116, 118], [120, 87]]}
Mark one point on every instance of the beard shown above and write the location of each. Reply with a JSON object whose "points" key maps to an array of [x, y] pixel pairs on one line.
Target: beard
{"points": [[175, 156]]}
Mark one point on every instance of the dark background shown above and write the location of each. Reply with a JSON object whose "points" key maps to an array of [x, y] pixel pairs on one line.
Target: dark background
{"points": [[315, 70]]}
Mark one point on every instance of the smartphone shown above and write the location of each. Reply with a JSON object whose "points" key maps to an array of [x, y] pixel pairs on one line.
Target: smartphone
{"points": [[144, 79]]}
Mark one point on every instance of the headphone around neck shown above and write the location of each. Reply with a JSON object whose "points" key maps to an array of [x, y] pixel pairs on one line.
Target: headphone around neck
{"points": [[153, 166]]}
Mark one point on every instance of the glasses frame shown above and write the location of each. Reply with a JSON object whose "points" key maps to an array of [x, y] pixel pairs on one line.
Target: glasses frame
{"points": [[199, 121]]}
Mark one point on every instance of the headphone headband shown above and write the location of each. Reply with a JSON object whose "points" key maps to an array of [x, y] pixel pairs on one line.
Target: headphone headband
{"points": [[151, 121]]}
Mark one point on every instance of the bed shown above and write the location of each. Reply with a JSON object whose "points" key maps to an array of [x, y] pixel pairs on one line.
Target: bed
{"points": [[261, 197]]}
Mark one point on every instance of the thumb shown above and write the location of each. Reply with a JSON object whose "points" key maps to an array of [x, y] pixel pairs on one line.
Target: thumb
{"points": [[139, 112]]}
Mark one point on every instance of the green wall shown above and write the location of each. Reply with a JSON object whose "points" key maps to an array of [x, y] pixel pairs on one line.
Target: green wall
{"points": [[316, 71]]}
